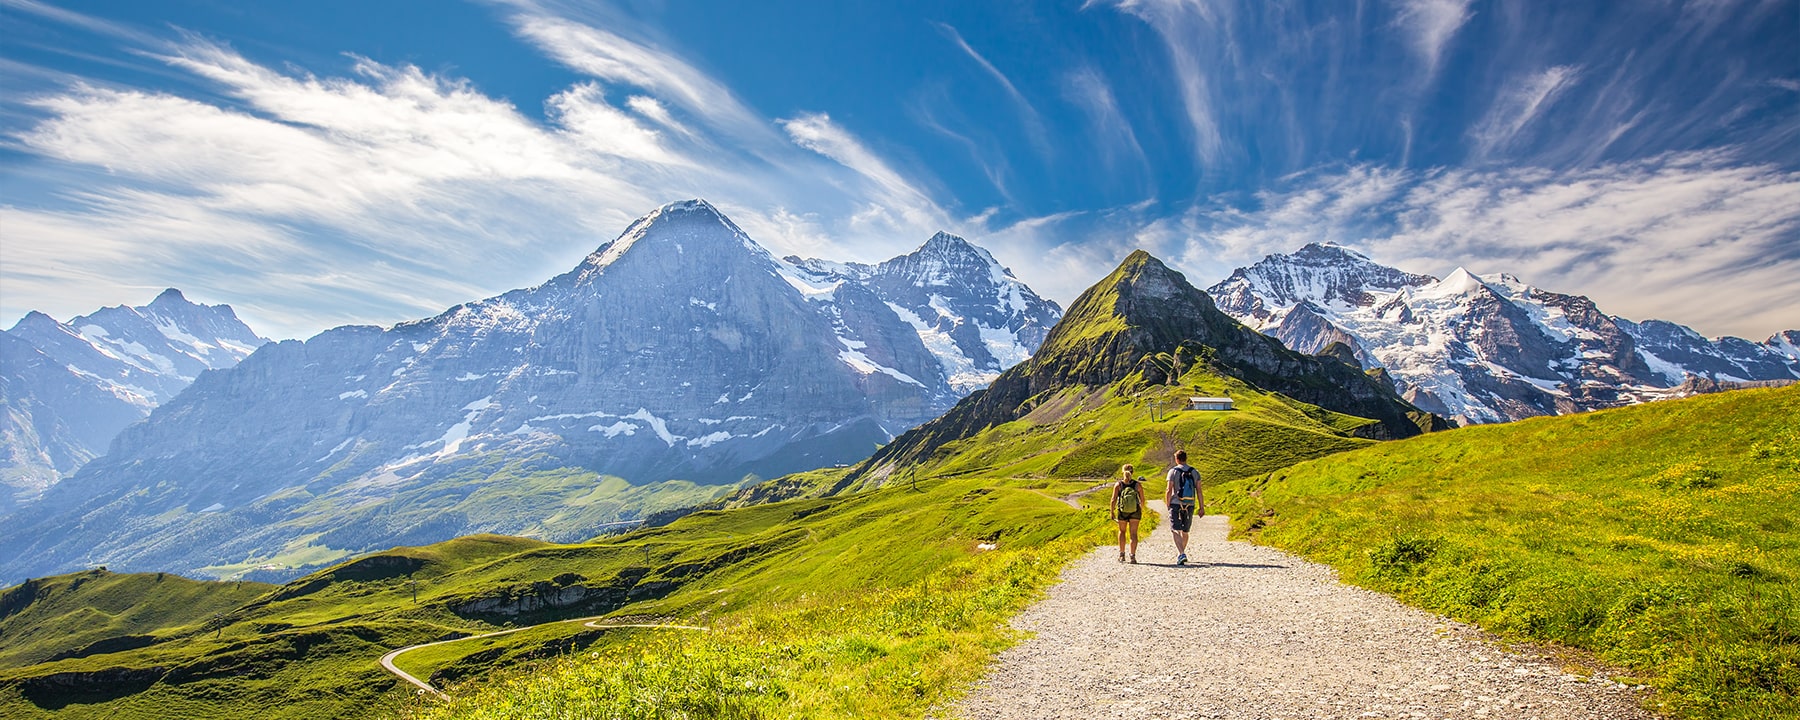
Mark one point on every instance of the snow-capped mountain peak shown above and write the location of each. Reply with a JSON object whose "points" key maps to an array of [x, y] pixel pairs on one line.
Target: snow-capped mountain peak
{"points": [[1328, 275], [683, 226], [1483, 348], [70, 387], [970, 312], [1459, 283]]}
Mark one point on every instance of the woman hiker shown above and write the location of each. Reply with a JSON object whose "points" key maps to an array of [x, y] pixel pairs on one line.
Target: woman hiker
{"points": [[1128, 509]]}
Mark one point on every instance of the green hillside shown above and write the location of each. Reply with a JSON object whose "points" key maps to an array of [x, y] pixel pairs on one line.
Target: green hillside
{"points": [[94, 612], [1662, 537]]}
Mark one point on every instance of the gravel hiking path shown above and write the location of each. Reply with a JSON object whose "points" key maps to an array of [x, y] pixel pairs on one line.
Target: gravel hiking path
{"points": [[1253, 632]]}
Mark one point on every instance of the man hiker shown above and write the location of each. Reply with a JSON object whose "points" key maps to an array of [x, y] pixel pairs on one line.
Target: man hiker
{"points": [[1184, 498]]}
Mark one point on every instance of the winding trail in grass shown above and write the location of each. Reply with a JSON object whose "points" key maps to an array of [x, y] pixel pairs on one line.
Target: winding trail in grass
{"points": [[1074, 499], [1249, 632], [387, 661]]}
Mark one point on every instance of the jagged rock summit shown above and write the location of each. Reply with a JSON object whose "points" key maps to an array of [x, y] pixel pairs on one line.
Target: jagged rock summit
{"points": [[1122, 326], [68, 388], [972, 314], [1485, 348], [678, 357]]}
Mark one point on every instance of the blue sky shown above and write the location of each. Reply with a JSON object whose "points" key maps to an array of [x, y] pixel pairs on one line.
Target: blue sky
{"points": [[328, 162]]}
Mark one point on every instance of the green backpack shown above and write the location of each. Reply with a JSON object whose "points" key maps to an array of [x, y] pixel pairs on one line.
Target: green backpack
{"points": [[1128, 498]]}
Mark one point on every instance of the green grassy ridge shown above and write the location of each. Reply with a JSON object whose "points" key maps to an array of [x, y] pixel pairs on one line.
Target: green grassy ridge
{"points": [[308, 649], [43, 618], [893, 651], [1662, 537], [1089, 432]]}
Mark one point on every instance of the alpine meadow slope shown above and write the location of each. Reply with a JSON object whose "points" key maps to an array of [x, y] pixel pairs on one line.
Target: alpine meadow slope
{"points": [[1659, 536], [674, 363]]}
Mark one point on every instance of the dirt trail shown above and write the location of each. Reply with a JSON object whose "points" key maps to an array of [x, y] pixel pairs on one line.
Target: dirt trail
{"points": [[387, 661], [1250, 632]]}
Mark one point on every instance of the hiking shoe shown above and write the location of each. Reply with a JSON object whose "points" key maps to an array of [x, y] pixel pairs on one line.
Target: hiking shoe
{"points": [[1134, 559], [1181, 559], [1121, 557]]}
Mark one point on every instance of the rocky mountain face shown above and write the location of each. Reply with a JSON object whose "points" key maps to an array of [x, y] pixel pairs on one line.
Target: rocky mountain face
{"points": [[1145, 319], [681, 352], [1485, 349], [68, 388], [970, 313]]}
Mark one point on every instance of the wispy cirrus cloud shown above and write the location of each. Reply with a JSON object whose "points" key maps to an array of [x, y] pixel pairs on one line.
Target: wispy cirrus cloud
{"points": [[1118, 142], [1523, 101], [1029, 115], [896, 202], [615, 58], [1430, 25], [1184, 28]]}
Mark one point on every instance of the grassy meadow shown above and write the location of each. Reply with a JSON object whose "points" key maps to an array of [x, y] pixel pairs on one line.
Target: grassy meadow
{"points": [[1662, 537]]}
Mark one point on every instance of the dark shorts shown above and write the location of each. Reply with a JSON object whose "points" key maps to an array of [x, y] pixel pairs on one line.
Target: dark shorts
{"points": [[1181, 517], [1122, 517]]}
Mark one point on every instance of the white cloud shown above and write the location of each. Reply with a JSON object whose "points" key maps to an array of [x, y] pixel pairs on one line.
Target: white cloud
{"points": [[1184, 27], [389, 193], [1034, 123], [898, 203], [1430, 25], [1089, 91], [614, 58], [582, 112], [1522, 102]]}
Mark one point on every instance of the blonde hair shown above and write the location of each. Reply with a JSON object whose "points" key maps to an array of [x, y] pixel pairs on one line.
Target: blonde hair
{"points": [[1126, 470]]}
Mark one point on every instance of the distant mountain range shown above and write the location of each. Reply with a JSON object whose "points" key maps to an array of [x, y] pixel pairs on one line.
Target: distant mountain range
{"points": [[1489, 348], [682, 359], [679, 357], [66, 389]]}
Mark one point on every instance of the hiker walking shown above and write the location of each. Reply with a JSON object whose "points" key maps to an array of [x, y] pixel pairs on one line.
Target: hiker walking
{"points": [[1184, 497], [1128, 509]]}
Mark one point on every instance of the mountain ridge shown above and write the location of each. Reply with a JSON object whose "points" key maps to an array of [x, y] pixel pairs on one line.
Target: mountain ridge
{"points": [[670, 364], [1484, 348], [1145, 317], [69, 388]]}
